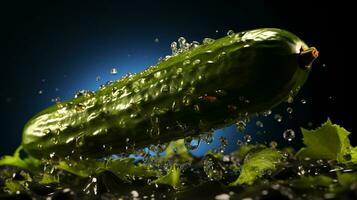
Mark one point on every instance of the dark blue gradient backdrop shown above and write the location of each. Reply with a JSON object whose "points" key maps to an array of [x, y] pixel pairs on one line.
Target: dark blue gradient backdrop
{"points": [[60, 48]]}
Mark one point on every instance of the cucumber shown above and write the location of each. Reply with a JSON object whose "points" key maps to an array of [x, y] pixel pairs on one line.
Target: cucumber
{"points": [[200, 89]]}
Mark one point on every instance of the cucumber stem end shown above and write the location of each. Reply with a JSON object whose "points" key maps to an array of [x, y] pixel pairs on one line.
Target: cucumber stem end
{"points": [[307, 57]]}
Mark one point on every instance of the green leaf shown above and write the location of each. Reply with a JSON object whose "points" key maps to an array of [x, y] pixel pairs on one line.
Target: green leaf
{"points": [[49, 178], [329, 142], [256, 164], [125, 167], [171, 178], [244, 150], [353, 154], [347, 179], [13, 187], [29, 163], [311, 182], [177, 148], [84, 168]]}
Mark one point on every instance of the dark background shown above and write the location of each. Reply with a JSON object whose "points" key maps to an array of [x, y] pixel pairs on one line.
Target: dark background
{"points": [[59, 48]]}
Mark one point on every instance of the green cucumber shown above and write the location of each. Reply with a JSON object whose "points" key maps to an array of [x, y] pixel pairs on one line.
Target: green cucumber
{"points": [[202, 88]]}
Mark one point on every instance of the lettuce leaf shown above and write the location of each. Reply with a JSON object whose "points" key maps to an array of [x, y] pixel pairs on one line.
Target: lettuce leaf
{"points": [[311, 182], [256, 164], [347, 179], [29, 163], [83, 168], [329, 142], [177, 149], [172, 177], [126, 169]]}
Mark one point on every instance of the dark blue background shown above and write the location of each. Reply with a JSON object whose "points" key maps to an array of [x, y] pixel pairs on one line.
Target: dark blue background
{"points": [[45, 46]]}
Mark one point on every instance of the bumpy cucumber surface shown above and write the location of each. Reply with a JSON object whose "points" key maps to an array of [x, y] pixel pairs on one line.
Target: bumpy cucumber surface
{"points": [[203, 88]]}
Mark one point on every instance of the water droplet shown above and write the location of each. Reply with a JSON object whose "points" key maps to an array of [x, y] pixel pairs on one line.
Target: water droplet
{"points": [[156, 40], [241, 125], [207, 138], [221, 92], [81, 93], [259, 124], [195, 44], [278, 118], [222, 54], [290, 99], [191, 144], [40, 92], [196, 62], [207, 41], [179, 70], [222, 197], [239, 142], [303, 101], [324, 65], [289, 135], [230, 33], [56, 100], [223, 141], [174, 48], [267, 113], [182, 42], [134, 194], [98, 78], [186, 101], [113, 71], [186, 62], [46, 131], [164, 88], [247, 138], [289, 110], [217, 31], [69, 140], [52, 155], [226, 158], [79, 107], [196, 108]]}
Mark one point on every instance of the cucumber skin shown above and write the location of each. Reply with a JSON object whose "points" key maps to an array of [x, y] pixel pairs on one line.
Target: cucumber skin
{"points": [[172, 100]]}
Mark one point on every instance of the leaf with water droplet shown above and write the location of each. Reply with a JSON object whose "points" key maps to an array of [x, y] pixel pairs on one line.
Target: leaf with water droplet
{"points": [[49, 178], [122, 167], [256, 163], [329, 142], [84, 168], [172, 177]]}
